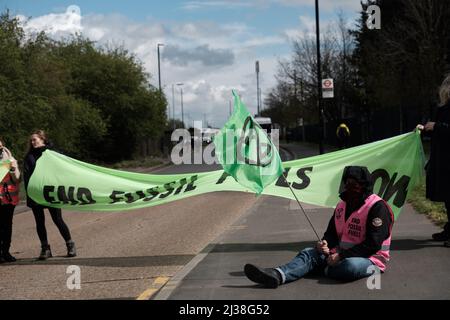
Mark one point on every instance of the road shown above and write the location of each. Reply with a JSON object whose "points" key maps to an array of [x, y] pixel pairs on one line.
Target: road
{"points": [[196, 249], [121, 255]]}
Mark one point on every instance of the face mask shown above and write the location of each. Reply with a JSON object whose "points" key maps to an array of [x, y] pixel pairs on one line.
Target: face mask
{"points": [[353, 191], [353, 188]]}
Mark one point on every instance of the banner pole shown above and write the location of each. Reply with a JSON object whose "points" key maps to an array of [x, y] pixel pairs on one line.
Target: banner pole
{"points": [[303, 210]]}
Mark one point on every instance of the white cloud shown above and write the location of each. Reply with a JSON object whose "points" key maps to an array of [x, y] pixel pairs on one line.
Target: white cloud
{"points": [[55, 24], [264, 41], [325, 5], [230, 4], [218, 58], [307, 28]]}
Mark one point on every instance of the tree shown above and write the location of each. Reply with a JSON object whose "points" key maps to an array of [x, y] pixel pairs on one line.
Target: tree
{"points": [[95, 103], [401, 65]]}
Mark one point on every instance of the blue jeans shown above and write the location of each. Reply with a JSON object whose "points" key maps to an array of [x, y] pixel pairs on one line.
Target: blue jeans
{"points": [[309, 260]]}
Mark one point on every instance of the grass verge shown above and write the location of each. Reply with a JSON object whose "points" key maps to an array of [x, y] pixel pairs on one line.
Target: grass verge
{"points": [[433, 210]]}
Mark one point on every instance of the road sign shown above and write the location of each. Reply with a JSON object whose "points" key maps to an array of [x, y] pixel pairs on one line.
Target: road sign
{"points": [[328, 88]]}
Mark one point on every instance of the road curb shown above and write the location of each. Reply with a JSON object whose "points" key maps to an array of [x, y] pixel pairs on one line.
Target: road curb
{"points": [[166, 291]]}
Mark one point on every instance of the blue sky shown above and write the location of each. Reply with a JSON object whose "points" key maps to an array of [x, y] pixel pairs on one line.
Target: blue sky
{"points": [[210, 46]]}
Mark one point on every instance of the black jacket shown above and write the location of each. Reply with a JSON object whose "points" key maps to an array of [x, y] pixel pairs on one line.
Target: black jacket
{"points": [[438, 167], [28, 169]]}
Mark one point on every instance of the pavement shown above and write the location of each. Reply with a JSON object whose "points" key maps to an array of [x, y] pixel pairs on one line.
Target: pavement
{"points": [[274, 230]]}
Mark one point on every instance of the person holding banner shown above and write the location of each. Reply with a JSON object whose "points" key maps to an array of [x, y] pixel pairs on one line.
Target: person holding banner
{"points": [[38, 144], [355, 245], [9, 198], [438, 167]]}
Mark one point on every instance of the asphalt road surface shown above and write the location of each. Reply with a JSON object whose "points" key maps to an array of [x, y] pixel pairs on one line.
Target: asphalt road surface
{"points": [[121, 255]]}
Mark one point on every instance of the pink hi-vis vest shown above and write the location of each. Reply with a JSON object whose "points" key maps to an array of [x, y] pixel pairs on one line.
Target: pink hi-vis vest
{"points": [[353, 231]]}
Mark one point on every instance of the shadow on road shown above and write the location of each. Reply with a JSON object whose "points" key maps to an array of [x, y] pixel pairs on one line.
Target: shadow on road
{"points": [[411, 244], [117, 262], [397, 245], [248, 247]]}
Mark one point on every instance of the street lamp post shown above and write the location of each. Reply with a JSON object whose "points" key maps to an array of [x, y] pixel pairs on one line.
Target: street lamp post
{"points": [[182, 110], [257, 88], [159, 65], [173, 107], [319, 81]]}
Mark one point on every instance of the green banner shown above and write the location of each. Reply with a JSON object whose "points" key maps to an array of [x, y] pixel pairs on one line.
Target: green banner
{"points": [[245, 160], [5, 165], [396, 165]]}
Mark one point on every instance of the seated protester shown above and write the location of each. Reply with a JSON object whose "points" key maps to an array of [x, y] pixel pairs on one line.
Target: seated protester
{"points": [[358, 237]]}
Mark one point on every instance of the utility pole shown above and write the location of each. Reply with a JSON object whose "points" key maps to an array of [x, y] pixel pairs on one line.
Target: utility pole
{"points": [[319, 82], [173, 106], [159, 65], [159, 75], [257, 88]]}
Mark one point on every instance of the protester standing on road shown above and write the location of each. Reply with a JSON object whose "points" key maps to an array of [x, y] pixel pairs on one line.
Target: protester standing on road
{"points": [[38, 144], [9, 198], [356, 243], [343, 135], [438, 167]]}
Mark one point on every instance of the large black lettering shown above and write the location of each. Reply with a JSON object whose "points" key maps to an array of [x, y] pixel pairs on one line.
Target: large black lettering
{"points": [[64, 197], [169, 188], [222, 178], [306, 181], [281, 182], [190, 186], [183, 182], [153, 192], [385, 179], [47, 190], [131, 199], [86, 193], [114, 197], [71, 196], [400, 188]]}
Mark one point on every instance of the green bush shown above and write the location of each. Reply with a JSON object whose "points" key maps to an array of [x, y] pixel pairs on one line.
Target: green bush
{"points": [[96, 104]]}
